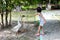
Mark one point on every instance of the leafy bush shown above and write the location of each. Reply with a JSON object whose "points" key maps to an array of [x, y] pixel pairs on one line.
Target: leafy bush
{"points": [[33, 7], [55, 7], [29, 7]]}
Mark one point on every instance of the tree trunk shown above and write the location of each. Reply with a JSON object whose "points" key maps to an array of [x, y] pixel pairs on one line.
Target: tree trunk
{"points": [[2, 23], [6, 20], [10, 19]]}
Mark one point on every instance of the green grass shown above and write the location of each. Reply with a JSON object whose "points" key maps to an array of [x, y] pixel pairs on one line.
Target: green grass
{"points": [[29, 16]]}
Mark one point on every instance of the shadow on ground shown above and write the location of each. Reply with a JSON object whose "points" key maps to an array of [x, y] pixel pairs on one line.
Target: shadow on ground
{"points": [[52, 27]]}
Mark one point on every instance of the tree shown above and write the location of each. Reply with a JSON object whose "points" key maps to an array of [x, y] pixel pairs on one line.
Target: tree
{"points": [[5, 6], [1, 10], [9, 7]]}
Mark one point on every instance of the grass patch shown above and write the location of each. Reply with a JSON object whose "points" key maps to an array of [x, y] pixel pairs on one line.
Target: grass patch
{"points": [[28, 15]]}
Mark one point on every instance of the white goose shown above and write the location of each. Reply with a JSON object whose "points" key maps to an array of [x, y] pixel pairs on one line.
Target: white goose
{"points": [[18, 26]]}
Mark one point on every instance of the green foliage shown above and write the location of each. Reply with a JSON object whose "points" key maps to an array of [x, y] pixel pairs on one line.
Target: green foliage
{"points": [[26, 4], [59, 2], [29, 7]]}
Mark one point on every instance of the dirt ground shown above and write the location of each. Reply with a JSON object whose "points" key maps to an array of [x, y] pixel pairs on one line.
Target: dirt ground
{"points": [[51, 29]]}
